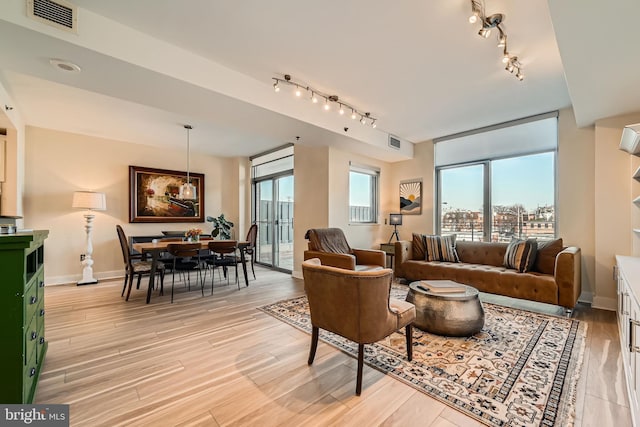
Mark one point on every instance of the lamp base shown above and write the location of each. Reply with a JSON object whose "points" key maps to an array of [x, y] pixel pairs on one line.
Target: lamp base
{"points": [[87, 282]]}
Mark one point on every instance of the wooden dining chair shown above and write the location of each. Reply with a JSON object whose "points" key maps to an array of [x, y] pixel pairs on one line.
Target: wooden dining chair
{"points": [[224, 255], [133, 267], [186, 258], [250, 249]]}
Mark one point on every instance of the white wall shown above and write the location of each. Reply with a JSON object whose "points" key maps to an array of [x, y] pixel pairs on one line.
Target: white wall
{"points": [[613, 208], [576, 197], [59, 163]]}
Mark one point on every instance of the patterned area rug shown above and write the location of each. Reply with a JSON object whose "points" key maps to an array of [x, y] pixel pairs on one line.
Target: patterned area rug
{"points": [[520, 370]]}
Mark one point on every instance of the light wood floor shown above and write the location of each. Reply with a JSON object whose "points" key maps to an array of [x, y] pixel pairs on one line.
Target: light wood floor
{"points": [[218, 361]]}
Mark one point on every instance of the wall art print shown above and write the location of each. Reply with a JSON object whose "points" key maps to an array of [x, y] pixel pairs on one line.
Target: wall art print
{"points": [[411, 197], [153, 196]]}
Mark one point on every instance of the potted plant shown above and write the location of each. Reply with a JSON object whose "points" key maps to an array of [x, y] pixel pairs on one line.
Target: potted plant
{"points": [[221, 227]]}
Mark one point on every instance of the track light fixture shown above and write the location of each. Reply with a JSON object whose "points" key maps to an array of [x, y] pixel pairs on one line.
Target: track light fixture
{"points": [[300, 88], [488, 23]]}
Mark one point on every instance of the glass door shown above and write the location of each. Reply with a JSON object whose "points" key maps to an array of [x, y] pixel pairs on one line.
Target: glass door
{"points": [[274, 217]]}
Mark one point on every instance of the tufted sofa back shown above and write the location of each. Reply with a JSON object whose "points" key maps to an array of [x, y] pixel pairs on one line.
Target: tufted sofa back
{"points": [[481, 252]]}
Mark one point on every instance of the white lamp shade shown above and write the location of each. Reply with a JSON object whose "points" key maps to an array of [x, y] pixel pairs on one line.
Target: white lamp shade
{"points": [[187, 191], [89, 200]]}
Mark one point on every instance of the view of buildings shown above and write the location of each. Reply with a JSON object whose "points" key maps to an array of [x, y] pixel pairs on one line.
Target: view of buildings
{"points": [[506, 222]]}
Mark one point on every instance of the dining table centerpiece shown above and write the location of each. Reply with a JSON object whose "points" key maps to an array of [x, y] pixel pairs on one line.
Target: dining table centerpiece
{"points": [[193, 234]]}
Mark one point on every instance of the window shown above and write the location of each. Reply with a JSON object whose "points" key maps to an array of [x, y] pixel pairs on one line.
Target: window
{"points": [[490, 188], [363, 194]]}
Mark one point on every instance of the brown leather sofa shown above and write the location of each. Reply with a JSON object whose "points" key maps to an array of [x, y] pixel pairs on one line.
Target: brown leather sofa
{"points": [[556, 281]]}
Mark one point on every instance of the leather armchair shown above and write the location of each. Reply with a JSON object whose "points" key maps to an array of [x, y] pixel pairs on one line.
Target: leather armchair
{"points": [[355, 305], [331, 247]]}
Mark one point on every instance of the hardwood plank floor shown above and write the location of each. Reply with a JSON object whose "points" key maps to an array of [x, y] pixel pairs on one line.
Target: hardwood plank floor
{"points": [[217, 361]]}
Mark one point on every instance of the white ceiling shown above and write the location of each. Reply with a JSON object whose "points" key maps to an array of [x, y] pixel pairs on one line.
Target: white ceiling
{"points": [[149, 66]]}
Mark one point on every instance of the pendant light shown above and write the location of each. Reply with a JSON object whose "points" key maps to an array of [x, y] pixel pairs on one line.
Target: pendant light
{"points": [[187, 190]]}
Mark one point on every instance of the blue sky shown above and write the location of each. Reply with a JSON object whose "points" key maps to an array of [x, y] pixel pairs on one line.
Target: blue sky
{"points": [[527, 180]]}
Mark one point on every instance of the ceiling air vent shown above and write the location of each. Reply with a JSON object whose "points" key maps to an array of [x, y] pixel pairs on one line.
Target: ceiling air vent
{"points": [[57, 13], [394, 142]]}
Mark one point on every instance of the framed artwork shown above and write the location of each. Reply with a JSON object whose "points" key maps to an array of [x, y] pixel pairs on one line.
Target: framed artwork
{"points": [[153, 196], [411, 197]]}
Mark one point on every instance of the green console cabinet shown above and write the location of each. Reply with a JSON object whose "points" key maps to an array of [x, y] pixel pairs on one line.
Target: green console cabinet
{"points": [[21, 314]]}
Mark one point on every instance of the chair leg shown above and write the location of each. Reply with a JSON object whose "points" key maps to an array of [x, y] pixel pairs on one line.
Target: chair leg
{"points": [[314, 344], [360, 363], [173, 278], [161, 282], [124, 287], [129, 287], [252, 270], [409, 332]]}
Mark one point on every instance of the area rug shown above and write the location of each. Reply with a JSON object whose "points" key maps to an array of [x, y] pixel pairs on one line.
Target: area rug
{"points": [[520, 370]]}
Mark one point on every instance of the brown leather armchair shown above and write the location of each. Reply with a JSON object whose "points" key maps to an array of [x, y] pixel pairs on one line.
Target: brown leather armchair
{"points": [[355, 305], [331, 247]]}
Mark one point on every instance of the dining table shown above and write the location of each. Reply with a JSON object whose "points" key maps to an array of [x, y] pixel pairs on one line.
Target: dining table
{"points": [[156, 247]]}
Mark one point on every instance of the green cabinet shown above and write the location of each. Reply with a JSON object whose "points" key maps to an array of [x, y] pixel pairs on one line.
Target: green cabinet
{"points": [[21, 314]]}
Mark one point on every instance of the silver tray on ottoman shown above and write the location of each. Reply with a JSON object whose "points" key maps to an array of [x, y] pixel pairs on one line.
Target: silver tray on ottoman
{"points": [[456, 314]]}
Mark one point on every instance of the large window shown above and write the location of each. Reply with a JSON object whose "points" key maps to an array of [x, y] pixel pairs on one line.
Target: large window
{"points": [[494, 198], [363, 194]]}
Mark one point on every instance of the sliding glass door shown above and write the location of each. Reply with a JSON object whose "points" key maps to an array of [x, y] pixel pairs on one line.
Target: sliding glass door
{"points": [[274, 217]]}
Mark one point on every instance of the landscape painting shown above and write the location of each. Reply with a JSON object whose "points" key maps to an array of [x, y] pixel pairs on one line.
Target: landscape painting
{"points": [[411, 197], [153, 196]]}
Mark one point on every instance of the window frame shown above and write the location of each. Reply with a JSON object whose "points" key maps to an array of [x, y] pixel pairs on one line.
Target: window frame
{"points": [[487, 187], [374, 173]]}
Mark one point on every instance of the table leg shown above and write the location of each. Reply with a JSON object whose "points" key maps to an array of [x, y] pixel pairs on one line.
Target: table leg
{"points": [[152, 274]]}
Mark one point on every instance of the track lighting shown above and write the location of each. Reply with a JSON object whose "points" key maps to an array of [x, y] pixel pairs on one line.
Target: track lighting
{"points": [[300, 88], [488, 23]]}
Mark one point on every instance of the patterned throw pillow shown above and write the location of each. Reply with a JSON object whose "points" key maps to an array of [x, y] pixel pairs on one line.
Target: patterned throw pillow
{"points": [[521, 254], [440, 248]]}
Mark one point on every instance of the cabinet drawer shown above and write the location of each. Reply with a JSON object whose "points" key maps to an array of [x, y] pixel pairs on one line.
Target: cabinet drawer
{"points": [[30, 339], [29, 377], [30, 302]]}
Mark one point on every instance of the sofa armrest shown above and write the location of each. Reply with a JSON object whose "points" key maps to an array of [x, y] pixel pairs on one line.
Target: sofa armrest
{"points": [[346, 261], [403, 253], [370, 257], [568, 276]]}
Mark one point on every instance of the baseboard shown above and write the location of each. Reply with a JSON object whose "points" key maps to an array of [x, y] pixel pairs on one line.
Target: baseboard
{"points": [[74, 278], [605, 303], [297, 274]]}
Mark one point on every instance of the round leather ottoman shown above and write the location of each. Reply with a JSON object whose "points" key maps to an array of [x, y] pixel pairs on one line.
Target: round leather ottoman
{"points": [[457, 314]]}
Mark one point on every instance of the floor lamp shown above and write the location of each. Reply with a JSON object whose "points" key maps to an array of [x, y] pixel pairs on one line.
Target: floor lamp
{"points": [[91, 201]]}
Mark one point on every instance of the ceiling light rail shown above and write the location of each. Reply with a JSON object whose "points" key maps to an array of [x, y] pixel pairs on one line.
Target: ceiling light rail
{"points": [[512, 64], [329, 101]]}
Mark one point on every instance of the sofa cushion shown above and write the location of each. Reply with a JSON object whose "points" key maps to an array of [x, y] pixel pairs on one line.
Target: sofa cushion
{"points": [[440, 248], [418, 246], [546, 256], [520, 254]]}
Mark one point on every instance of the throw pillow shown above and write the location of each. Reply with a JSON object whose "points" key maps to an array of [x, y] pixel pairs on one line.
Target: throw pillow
{"points": [[520, 254], [546, 257], [440, 248], [418, 246]]}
